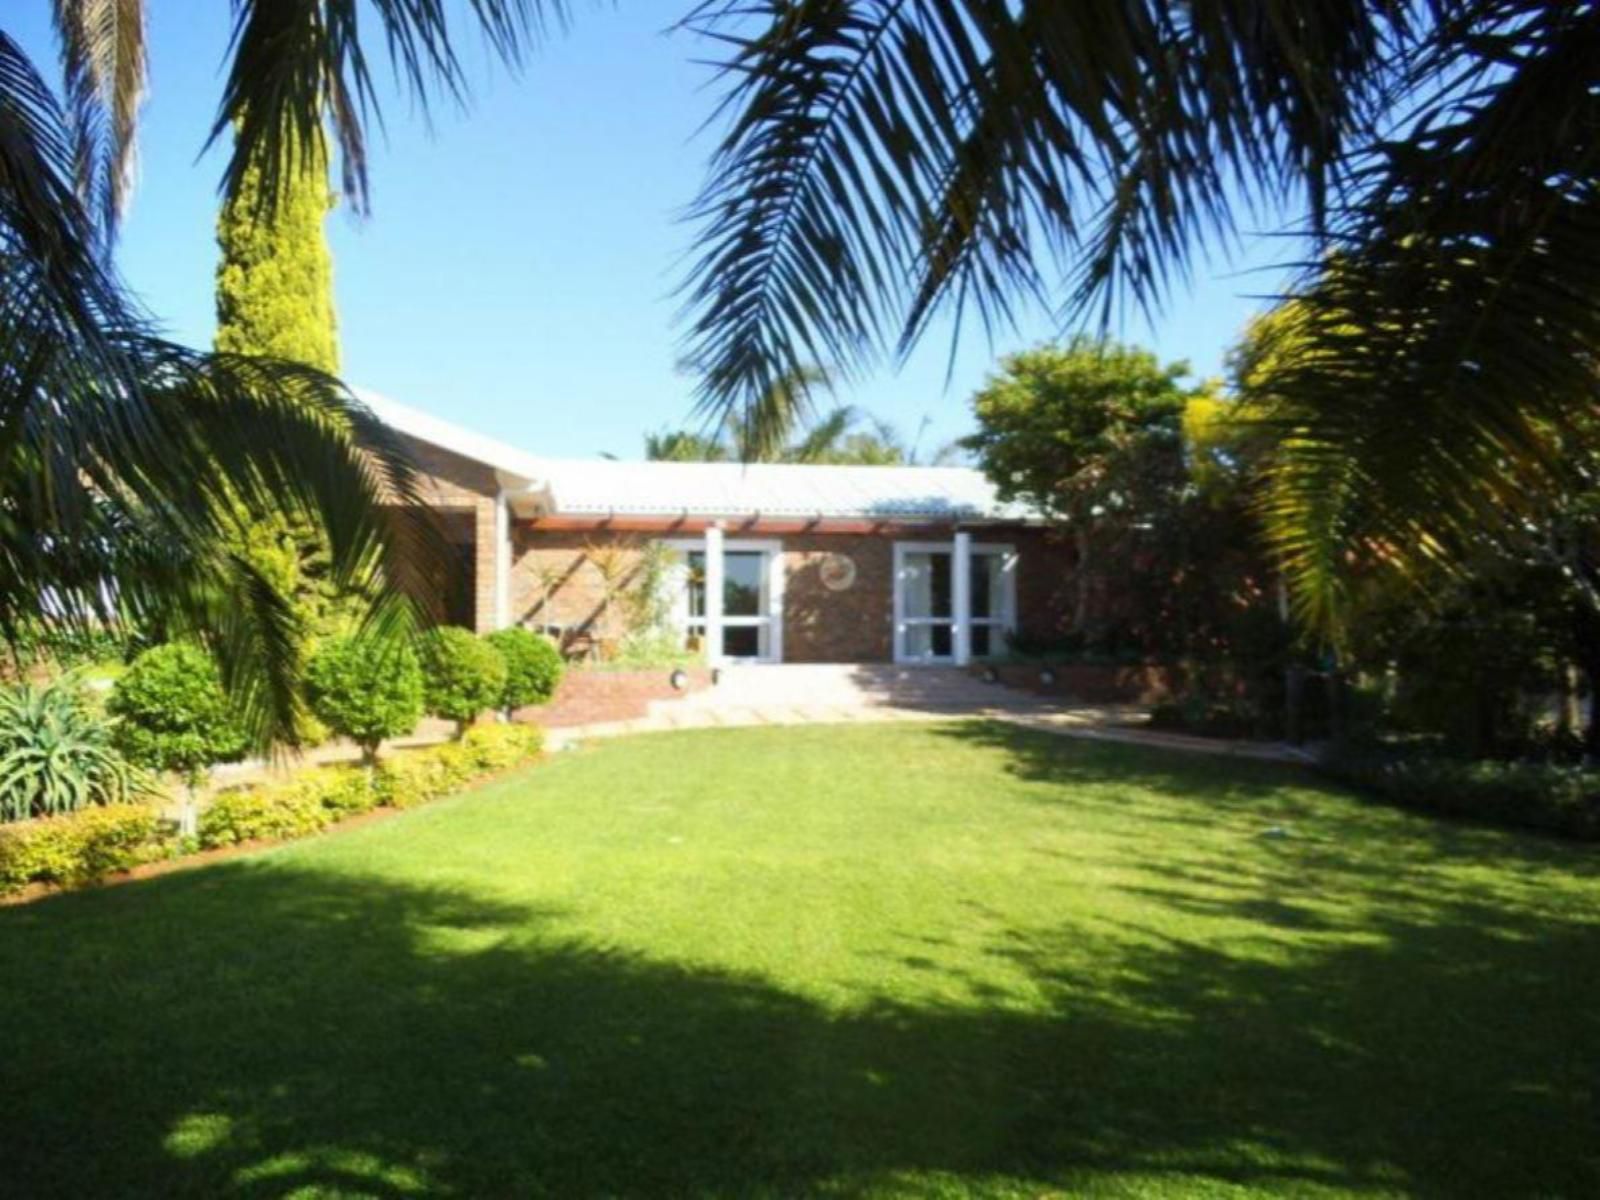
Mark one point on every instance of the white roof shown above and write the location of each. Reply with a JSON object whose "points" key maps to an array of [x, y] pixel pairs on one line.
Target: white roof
{"points": [[774, 490], [519, 466], [589, 487]]}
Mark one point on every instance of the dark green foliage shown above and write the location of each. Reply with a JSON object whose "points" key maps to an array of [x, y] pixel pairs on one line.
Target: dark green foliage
{"points": [[56, 756], [463, 676], [366, 689], [1521, 795], [173, 715], [533, 667]]}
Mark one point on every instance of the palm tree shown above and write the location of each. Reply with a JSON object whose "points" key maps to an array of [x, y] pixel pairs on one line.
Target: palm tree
{"points": [[888, 161], [124, 458]]}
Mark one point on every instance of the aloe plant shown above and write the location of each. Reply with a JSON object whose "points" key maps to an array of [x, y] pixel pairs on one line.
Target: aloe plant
{"points": [[56, 756]]}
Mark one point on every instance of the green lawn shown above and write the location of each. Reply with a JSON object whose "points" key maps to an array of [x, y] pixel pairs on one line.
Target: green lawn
{"points": [[875, 960]]}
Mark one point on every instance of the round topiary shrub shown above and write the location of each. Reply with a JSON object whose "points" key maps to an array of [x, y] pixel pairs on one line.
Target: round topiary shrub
{"points": [[533, 667], [366, 689], [173, 715], [462, 675]]}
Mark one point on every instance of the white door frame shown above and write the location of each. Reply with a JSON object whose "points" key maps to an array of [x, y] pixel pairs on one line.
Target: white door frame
{"points": [[771, 615], [960, 618]]}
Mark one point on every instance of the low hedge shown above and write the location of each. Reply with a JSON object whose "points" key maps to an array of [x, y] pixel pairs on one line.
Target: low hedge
{"points": [[315, 799], [1548, 798], [79, 847], [92, 843]]}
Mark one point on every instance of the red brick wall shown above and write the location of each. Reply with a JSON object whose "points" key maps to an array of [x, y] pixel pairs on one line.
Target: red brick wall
{"points": [[590, 697], [575, 580], [855, 625], [465, 492], [561, 578]]}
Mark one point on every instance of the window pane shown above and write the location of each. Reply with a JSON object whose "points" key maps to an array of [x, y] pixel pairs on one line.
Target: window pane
{"points": [[926, 580], [742, 641], [697, 584], [988, 586], [981, 640], [982, 567], [929, 641], [741, 583]]}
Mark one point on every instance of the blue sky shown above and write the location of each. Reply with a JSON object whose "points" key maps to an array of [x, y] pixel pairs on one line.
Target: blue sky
{"points": [[516, 273]]}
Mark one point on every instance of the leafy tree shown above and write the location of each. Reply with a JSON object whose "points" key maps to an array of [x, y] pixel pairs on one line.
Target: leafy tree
{"points": [[366, 689], [173, 714], [463, 675], [533, 667], [884, 164], [1091, 433]]}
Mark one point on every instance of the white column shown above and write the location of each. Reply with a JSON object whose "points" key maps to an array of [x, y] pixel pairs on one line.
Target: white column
{"points": [[502, 560], [713, 594], [961, 595]]}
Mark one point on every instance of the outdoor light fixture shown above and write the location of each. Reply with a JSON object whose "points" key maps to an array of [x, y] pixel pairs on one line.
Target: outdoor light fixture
{"points": [[679, 679], [1047, 677]]}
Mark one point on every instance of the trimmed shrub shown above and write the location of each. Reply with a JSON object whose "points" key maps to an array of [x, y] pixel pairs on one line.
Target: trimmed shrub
{"points": [[254, 814], [462, 675], [316, 798], [78, 848], [497, 747], [1552, 799], [366, 690], [56, 755], [533, 667], [173, 713]]}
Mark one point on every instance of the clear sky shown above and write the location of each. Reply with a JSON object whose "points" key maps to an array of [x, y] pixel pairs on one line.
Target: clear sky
{"points": [[516, 274]]}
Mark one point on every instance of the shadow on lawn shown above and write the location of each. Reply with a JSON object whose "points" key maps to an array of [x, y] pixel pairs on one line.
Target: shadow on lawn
{"points": [[259, 1029]]}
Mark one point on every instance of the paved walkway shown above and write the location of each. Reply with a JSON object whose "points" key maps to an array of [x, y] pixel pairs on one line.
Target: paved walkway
{"points": [[806, 694]]}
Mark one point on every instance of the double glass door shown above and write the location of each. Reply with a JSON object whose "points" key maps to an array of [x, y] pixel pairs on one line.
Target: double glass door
{"points": [[751, 607], [925, 602]]}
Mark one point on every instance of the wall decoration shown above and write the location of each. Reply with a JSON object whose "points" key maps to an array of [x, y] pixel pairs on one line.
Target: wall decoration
{"points": [[838, 572]]}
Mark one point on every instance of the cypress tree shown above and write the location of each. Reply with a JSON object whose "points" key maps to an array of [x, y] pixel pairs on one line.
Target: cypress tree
{"points": [[275, 298], [275, 277]]}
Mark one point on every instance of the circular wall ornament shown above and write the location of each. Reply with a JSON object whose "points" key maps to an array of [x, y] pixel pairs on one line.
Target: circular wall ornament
{"points": [[838, 572]]}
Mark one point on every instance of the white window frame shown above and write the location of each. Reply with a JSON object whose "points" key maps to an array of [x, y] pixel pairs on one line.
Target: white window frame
{"points": [[1000, 624], [771, 604]]}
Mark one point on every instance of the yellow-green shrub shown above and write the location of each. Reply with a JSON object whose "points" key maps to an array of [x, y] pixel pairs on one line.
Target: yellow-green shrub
{"points": [[79, 847], [496, 747], [317, 797], [252, 814], [343, 791], [409, 778]]}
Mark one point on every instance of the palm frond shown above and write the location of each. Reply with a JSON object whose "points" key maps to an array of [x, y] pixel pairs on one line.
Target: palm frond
{"points": [[298, 63], [104, 65], [1447, 359], [885, 159]]}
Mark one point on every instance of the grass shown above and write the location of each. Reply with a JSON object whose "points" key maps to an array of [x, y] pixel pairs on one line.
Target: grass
{"points": [[881, 960]]}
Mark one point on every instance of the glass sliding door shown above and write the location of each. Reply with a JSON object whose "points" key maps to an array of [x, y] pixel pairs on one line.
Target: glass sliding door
{"points": [[927, 616], [752, 604], [924, 599]]}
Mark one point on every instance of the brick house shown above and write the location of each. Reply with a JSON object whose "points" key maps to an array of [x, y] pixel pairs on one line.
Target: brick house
{"points": [[759, 562]]}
